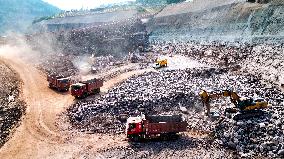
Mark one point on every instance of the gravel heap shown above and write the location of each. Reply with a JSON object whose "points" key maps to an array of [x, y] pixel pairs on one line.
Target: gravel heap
{"points": [[58, 65], [183, 148], [168, 91], [11, 107], [266, 61], [263, 60], [257, 136]]}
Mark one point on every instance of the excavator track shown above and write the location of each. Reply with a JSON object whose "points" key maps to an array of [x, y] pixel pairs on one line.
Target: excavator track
{"points": [[248, 114]]}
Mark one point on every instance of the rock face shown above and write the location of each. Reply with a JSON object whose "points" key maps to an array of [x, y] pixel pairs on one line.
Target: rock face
{"points": [[116, 38], [220, 20], [11, 107], [89, 19]]}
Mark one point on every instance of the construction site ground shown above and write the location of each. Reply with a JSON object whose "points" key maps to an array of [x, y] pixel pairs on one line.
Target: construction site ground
{"points": [[44, 131]]}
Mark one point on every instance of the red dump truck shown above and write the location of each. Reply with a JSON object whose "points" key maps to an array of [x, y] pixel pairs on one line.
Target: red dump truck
{"points": [[59, 83], [86, 88], [154, 126]]}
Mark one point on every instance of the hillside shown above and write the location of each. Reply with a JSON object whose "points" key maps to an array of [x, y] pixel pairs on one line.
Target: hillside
{"points": [[17, 15], [227, 20], [79, 21]]}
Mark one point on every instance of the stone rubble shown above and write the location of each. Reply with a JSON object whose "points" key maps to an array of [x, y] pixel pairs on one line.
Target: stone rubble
{"points": [[169, 90], [11, 107]]}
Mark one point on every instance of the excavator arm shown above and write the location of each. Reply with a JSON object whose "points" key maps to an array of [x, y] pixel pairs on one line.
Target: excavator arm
{"points": [[247, 107], [206, 97]]}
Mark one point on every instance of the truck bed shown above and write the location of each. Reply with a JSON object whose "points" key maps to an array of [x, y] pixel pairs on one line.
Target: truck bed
{"points": [[157, 124], [93, 84], [163, 118], [165, 127]]}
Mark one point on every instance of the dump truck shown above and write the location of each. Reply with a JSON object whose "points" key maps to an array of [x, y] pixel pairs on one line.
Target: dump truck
{"points": [[59, 83], [160, 63], [154, 126], [86, 88]]}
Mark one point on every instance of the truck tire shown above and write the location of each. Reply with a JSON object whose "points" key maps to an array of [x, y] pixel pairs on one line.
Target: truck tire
{"points": [[164, 137], [173, 136], [137, 138], [83, 96]]}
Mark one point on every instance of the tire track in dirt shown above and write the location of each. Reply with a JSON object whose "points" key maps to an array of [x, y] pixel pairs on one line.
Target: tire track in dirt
{"points": [[39, 135]]}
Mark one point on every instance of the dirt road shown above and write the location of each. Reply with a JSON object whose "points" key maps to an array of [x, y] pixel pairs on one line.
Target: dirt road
{"points": [[40, 134], [44, 131]]}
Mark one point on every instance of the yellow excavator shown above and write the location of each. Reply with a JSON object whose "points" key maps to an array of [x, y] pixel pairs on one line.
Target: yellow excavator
{"points": [[160, 63], [244, 107]]}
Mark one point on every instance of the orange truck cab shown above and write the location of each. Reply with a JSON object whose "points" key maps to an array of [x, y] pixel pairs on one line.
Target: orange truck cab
{"points": [[59, 83], [86, 88]]}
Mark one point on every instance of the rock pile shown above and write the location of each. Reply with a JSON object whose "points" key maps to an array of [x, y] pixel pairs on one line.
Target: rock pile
{"points": [[182, 148], [58, 65], [169, 91], [263, 60], [257, 136], [11, 107]]}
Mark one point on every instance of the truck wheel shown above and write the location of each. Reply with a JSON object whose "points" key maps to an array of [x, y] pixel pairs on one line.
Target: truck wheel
{"points": [[164, 137], [174, 136], [96, 91], [135, 138]]}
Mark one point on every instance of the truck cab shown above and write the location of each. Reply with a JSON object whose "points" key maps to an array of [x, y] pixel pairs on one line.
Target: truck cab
{"points": [[134, 126], [86, 88], [78, 90]]}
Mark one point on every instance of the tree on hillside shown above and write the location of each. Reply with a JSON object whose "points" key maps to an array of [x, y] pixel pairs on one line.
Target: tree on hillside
{"points": [[174, 1], [158, 2]]}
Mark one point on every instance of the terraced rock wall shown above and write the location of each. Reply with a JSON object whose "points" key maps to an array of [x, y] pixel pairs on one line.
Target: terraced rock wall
{"points": [[227, 20]]}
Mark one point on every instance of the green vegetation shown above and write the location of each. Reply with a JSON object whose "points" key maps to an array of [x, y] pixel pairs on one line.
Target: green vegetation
{"points": [[41, 19], [174, 1], [18, 15], [158, 2]]}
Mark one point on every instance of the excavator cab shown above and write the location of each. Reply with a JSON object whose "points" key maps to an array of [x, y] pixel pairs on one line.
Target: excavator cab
{"points": [[160, 63], [244, 102]]}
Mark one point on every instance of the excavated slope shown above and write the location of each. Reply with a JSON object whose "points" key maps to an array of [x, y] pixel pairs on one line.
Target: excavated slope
{"points": [[229, 20]]}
